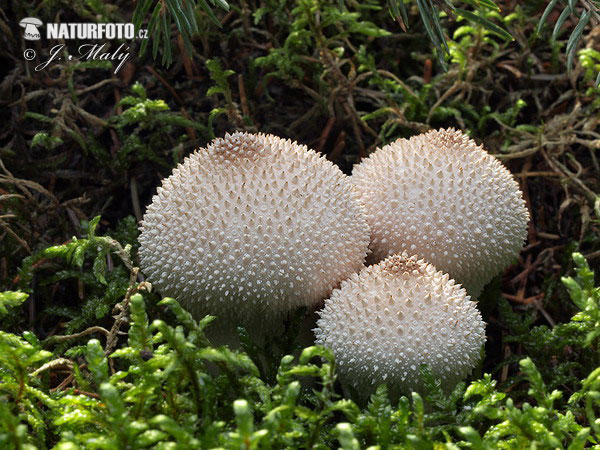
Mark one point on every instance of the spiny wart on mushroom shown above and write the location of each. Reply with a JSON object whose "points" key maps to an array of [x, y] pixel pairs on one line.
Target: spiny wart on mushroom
{"points": [[250, 228], [444, 198], [384, 322]]}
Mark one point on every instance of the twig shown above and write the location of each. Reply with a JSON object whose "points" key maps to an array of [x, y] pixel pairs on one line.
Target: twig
{"points": [[592, 255], [592, 197], [399, 81], [304, 117], [543, 235], [23, 184], [96, 86], [530, 151], [455, 87], [243, 99], [325, 134], [60, 362], [135, 199], [64, 383], [15, 236], [61, 338], [504, 373], [166, 84], [594, 10], [338, 147], [92, 119], [123, 308], [536, 174], [88, 394]]}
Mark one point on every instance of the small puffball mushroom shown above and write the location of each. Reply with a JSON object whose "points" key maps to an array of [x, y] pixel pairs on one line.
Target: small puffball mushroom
{"points": [[384, 322], [444, 198], [252, 227]]}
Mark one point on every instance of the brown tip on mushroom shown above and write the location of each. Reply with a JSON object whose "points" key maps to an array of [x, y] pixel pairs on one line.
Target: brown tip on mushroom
{"points": [[383, 324], [442, 197], [252, 227]]}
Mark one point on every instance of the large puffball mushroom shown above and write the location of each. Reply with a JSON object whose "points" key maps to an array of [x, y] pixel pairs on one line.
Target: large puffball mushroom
{"points": [[444, 198], [384, 322], [252, 227]]}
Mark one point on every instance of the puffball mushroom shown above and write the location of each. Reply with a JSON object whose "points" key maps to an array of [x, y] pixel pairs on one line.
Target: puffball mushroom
{"points": [[444, 198], [384, 322], [252, 227]]}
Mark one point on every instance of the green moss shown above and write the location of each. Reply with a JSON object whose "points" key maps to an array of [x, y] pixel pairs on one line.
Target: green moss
{"points": [[167, 386]]}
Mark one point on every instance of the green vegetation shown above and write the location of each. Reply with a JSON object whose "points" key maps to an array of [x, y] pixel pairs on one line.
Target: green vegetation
{"points": [[92, 357], [167, 386]]}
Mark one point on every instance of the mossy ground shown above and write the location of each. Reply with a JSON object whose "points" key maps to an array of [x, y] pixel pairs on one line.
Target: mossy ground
{"points": [[78, 142]]}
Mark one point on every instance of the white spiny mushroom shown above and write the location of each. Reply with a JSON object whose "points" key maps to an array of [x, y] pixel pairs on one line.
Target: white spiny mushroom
{"points": [[250, 228], [444, 198], [384, 322]]}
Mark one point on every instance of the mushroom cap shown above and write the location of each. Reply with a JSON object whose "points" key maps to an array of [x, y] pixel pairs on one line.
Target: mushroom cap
{"points": [[30, 21], [444, 198], [384, 322], [252, 227]]}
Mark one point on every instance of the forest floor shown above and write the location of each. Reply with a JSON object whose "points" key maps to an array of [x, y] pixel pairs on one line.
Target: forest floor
{"points": [[78, 140]]}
